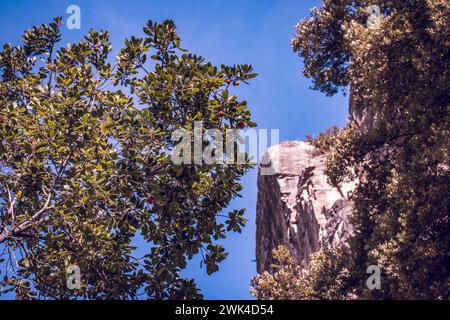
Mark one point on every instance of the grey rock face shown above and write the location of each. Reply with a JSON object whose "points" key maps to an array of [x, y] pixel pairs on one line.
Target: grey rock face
{"points": [[296, 206]]}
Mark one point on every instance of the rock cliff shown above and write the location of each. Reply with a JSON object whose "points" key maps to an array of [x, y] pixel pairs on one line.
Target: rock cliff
{"points": [[296, 206]]}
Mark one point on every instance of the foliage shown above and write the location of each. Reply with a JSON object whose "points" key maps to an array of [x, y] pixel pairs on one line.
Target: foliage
{"points": [[323, 278], [86, 171], [287, 282], [399, 74], [324, 142]]}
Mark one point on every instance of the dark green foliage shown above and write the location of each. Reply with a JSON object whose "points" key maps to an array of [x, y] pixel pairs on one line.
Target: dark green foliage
{"points": [[86, 165]]}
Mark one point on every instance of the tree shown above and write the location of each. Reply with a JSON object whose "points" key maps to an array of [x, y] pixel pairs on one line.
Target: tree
{"points": [[324, 278], [398, 76], [86, 168], [287, 282]]}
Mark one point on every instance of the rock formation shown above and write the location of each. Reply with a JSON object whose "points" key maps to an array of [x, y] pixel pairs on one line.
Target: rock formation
{"points": [[296, 206]]}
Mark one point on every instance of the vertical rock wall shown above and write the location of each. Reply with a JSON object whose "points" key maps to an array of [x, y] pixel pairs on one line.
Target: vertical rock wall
{"points": [[296, 206]]}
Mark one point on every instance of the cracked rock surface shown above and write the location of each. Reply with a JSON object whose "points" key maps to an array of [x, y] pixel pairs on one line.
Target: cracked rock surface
{"points": [[296, 206]]}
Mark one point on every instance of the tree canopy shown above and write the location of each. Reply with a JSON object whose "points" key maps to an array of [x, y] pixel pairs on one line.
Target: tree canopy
{"points": [[398, 74], [86, 169]]}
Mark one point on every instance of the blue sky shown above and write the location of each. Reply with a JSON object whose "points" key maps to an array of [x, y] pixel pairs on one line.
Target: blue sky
{"points": [[224, 32]]}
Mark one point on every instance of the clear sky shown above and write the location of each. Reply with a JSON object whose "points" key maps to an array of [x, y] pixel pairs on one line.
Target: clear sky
{"points": [[256, 32]]}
